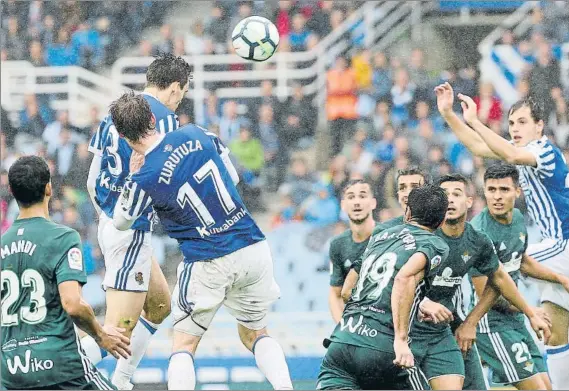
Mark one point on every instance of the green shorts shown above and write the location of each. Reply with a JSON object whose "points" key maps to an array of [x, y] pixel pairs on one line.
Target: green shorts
{"points": [[474, 378], [97, 382], [511, 354], [437, 354], [349, 367]]}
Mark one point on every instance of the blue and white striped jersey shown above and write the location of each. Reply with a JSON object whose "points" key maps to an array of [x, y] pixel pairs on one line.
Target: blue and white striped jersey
{"points": [[546, 189], [115, 159], [187, 178]]}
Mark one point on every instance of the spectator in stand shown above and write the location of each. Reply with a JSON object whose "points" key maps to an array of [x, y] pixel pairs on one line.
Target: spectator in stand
{"points": [[418, 72], [382, 77], [179, 48], [402, 94], [244, 10], [419, 142], [320, 20], [544, 76], [217, 27], [52, 132], [274, 167], [15, 40], [299, 182], [34, 117], [94, 122], [340, 103], [87, 41], [489, 107], [49, 33], [320, 208], [64, 152], [423, 113], [36, 54], [195, 39], [361, 64], [299, 33], [559, 119], [63, 52], [298, 123], [385, 150], [336, 18], [229, 123], [359, 160], [267, 98], [79, 170], [248, 153], [7, 131], [282, 17], [166, 43]]}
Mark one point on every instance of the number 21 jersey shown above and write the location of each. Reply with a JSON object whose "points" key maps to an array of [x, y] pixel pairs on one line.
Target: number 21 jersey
{"points": [[186, 180]]}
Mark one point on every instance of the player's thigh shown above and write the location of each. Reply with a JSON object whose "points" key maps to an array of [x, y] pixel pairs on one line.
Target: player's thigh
{"points": [[123, 308], [559, 316], [554, 255], [127, 255], [375, 370], [474, 378], [442, 358], [336, 370], [158, 299], [507, 353], [254, 289], [198, 294], [447, 382]]}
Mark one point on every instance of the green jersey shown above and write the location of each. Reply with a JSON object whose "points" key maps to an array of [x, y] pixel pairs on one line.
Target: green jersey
{"points": [[511, 242], [39, 344], [472, 249], [343, 253], [368, 314]]}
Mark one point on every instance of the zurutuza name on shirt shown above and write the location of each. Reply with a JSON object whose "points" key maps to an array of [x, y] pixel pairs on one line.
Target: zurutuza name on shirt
{"points": [[176, 157]]}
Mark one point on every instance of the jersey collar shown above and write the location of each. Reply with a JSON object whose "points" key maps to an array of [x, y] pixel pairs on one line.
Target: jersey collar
{"points": [[156, 143]]}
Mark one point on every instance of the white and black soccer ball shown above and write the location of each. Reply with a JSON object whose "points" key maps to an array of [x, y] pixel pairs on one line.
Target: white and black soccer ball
{"points": [[255, 38]]}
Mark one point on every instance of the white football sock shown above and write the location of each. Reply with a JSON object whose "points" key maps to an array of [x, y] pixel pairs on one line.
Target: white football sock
{"points": [[139, 341], [558, 366], [271, 361], [181, 372], [92, 350]]}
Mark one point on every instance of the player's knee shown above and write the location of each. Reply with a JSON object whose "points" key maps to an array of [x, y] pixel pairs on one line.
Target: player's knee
{"points": [[248, 336], [157, 311], [558, 338]]}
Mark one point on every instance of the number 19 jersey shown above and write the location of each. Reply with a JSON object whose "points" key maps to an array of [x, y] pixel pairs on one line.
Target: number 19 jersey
{"points": [[190, 188], [115, 159]]}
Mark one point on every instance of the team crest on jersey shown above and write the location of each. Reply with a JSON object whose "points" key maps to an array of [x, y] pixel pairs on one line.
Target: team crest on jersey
{"points": [[138, 277], [75, 259], [522, 237], [466, 257], [168, 148]]}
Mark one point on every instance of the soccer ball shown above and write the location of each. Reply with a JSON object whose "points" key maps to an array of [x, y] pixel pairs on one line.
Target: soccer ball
{"points": [[255, 38]]}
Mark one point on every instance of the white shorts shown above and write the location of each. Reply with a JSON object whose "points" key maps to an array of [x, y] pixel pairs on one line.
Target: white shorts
{"points": [[555, 255], [242, 280], [128, 257]]}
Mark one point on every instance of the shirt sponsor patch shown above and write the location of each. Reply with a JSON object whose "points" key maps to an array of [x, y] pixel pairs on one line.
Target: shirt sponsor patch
{"points": [[75, 259]]}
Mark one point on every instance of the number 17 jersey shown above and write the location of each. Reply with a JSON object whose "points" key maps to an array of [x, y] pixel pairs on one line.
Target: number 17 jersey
{"points": [[186, 180]]}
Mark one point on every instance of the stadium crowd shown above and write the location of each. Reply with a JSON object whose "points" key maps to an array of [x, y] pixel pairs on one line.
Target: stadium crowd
{"points": [[380, 108]]}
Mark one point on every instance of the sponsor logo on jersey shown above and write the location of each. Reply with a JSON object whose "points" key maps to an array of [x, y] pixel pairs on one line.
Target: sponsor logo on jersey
{"points": [[10, 345], [522, 237], [168, 148], [203, 231], [105, 181], [28, 364], [436, 261], [75, 259], [446, 279], [359, 327], [514, 263], [138, 277], [503, 246]]}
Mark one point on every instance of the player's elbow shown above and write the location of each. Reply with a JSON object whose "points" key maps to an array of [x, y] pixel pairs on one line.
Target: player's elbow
{"points": [[346, 294], [72, 305]]}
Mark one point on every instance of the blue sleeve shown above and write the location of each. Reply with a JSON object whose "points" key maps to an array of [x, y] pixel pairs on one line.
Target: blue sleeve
{"points": [[168, 124], [96, 143], [134, 200]]}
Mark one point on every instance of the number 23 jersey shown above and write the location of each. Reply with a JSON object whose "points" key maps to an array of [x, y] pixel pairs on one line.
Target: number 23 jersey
{"points": [[186, 180]]}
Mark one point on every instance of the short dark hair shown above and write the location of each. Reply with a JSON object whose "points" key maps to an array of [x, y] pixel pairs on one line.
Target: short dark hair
{"points": [[167, 69], [428, 205], [131, 116], [453, 177], [536, 110], [501, 171], [27, 179], [413, 170], [353, 182]]}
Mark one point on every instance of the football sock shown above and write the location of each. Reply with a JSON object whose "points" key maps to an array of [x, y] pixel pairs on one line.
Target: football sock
{"points": [[181, 372], [558, 366], [270, 359], [92, 350]]}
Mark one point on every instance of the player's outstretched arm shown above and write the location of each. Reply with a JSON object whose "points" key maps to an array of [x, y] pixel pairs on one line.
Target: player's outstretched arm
{"points": [[530, 267], [502, 281], [131, 204], [108, 338], [500, 304], [402, 298], [467, 136], [499, 146]]}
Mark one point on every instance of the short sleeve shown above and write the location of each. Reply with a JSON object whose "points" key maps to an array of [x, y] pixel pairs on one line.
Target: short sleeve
{"points": [[134, 200], [336, 276], [545, 157], [70, 266], [487, 261], [436, 253], [96, 143]]}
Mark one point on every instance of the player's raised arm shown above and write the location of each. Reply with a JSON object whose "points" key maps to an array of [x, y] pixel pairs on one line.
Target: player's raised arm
{"points": [[467, 136], [132, 203], [502, 149], [94, 171], [223, 152], [402, 298]]}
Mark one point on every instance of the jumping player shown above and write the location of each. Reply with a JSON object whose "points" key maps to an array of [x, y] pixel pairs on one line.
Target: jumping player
{"points": [[544, 178], [42, 275], [226, 257], [138, 297]]}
